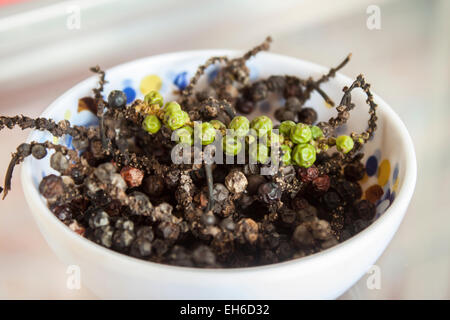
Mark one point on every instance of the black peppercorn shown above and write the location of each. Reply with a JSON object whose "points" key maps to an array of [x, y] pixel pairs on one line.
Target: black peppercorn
{"points": [[38, 151], [269, 192], [117, 99], [365, 209], [307, 116], [354, 171]]}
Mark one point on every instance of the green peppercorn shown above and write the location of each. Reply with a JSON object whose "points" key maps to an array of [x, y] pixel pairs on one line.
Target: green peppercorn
{"points": [[259, 152], [240, 125], [316, 132], [231, 145], [273, 138], [219, 125], [304, 155], [172, 106], [185, 135], [151, 124], [262, 125], [286, 155], [285, 127], [344, 143], [208, 133], [301, 133], [176, 119], [154, 97]]}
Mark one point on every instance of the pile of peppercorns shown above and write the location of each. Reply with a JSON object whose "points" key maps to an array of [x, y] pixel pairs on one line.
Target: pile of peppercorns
{"points": [[121, 189]]}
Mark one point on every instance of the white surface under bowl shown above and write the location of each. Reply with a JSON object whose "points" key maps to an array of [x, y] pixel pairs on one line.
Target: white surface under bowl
{"points": [[390, 157]]}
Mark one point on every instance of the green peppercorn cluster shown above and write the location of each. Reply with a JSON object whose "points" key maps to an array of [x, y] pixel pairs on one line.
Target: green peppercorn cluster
{"points": [[298, 143]]}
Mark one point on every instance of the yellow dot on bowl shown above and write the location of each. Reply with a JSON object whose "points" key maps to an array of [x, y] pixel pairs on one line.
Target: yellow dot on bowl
{"points": [[149, 83], [383, 172], [67, 115], [395, 186], [365, 178], [55, 140]]}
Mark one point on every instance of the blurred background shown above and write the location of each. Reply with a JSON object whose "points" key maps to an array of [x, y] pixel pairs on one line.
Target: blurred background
{"points": [[45, 49]]}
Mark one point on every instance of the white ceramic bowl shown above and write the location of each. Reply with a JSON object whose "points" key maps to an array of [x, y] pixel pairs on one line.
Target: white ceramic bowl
{"points": [[390, 158]]}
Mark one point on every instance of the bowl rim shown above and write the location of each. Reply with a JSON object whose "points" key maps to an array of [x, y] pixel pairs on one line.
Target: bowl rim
{"points": [[406, 189]]}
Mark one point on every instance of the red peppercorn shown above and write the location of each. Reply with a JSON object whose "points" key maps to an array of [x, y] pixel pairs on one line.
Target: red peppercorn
{"points": [[308, 174], [322, 183], [132, 176]]}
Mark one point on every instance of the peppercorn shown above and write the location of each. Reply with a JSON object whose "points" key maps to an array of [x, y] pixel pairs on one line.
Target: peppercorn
{"points": [[207, 133], [38, 151], [269, 192], [349, 191], [286, 152], [103, 236], [331, 200], [153, 185], [307, 214], [175, 119], [122, 239], [321, 230], [51, 186], [307, 116], [168, 230], [99, 219], [62, 212], [365, 209], [286, 127], [262, 125], [185, 135], [117, 99], [171, 106], [236, 181], [254, 181], [344, 143], [293, 104], [124, 224], [154, 97], [258, 152], [316, 132], [59, 162], [132, 176], [288, 216], [304, 155], [244, 106], [301, 133], [231, 145], [151, 124], [220, 192], [322, 183], [308, 174], [141, 247], [24, 149], [283, 114], [301, 237], [240, 126], [247, 231], [203, 256], [354, 171]]}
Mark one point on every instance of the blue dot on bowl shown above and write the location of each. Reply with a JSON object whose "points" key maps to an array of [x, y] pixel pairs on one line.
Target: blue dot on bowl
{"points": [[130, 93], [371, 166], [181, 80], [395, 174], [392, 197]]}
